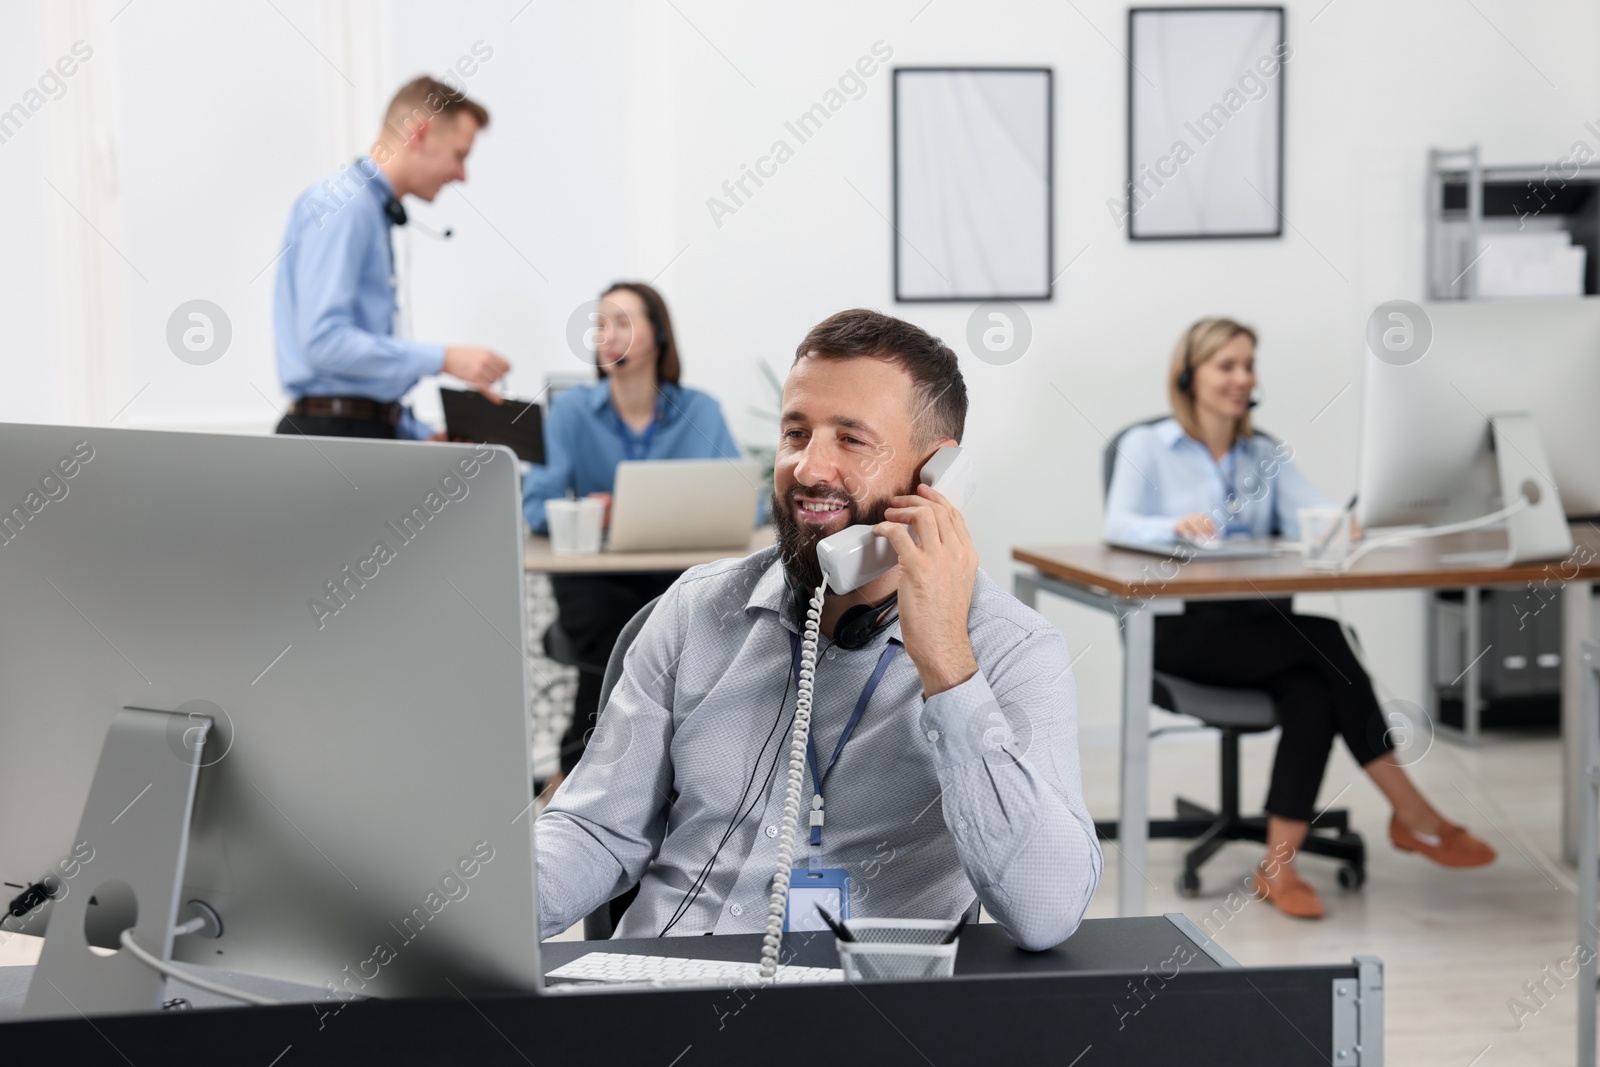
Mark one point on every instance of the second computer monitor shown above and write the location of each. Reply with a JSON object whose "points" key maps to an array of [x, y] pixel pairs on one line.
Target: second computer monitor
{"points": [[1425, 420]]}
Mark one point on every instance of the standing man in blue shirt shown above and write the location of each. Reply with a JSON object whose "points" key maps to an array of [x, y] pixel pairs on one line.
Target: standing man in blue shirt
{"points": [[334, 307]]}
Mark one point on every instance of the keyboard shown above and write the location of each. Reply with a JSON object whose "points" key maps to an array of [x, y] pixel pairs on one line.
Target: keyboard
{"points": [[616, 968]]}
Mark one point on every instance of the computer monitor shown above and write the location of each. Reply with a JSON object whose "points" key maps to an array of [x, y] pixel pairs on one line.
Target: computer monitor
{"points": [[350, 613], [1425, 422]]}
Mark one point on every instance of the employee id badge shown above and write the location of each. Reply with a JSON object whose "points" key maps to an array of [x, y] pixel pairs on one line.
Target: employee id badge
{"points": [[811, 886]]}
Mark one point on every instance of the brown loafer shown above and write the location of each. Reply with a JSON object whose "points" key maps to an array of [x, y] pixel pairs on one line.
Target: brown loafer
{"points": [[1288, 893], [1453, 846]]}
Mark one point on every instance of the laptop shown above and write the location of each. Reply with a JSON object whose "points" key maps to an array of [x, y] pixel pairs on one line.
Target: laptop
{"points": [[1226, 548], [666, 504]]}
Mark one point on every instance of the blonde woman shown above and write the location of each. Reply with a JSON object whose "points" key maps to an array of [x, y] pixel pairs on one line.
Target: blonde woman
{"points": [[1206, 473]]}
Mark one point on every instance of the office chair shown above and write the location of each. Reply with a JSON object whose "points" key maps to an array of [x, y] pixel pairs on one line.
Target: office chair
{"points": [[1234, 713], [558, 647]]}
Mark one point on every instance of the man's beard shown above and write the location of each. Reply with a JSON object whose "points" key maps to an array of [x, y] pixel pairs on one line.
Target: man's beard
{"points": [[797, 543]]}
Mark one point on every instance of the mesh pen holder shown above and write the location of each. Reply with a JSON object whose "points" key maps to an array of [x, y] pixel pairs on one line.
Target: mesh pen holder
{"points": [[897, 950]]}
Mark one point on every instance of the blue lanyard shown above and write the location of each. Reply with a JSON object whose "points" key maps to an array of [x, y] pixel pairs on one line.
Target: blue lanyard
{"points": [[1228, 467], [642, 450], [817, 779]]}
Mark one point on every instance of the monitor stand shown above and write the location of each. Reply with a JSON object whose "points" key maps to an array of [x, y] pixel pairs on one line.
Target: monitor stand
{"points": [[1539, 531], [136, 820]]}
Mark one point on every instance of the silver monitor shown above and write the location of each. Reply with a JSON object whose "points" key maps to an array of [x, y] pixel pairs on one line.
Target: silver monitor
{"points": [[350, 613], [1425, 423]]}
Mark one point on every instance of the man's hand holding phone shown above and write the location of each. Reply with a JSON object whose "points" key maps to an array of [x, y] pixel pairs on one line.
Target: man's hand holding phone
{"points": [[935, 590]]}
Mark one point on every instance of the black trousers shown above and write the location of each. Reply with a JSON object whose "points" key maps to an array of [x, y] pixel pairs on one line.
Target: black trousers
{"points": [[593, 609], [1303, 661], [329, 426]]}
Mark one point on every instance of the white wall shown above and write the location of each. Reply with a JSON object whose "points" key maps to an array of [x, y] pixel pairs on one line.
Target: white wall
{"points": [[614, 122]]}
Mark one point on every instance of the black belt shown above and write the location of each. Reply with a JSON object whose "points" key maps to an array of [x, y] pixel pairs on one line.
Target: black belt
{"points": [[347, 407]]}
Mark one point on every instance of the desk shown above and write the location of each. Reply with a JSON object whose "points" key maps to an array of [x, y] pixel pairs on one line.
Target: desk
{"points": [[1135, 587], [1194, 1006], [537, 558]]}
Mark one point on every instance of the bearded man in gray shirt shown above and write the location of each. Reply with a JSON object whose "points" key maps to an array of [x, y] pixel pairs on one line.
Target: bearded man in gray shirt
{"points": [[958, 778]]}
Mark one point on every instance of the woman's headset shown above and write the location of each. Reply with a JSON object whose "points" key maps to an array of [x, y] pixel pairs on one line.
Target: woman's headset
{"points": [[1186, 375], [658, 328]]}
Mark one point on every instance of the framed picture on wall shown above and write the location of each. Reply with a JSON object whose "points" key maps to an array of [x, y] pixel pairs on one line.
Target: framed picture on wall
{"points": [[972, 183], [1205, 123]]}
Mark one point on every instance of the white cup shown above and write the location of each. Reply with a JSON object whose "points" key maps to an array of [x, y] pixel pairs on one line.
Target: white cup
{"points": [[562, 515], [1324, 536], [591, 524]]}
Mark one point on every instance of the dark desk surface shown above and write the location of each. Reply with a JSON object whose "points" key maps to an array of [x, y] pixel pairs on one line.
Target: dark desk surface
{"points": [[1099, 945], [1078, 1002]]}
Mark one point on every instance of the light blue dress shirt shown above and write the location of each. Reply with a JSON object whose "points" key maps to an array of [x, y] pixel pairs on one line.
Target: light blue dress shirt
{"points": [[975, 791], [334, 307], [584, 440], [1162, 474]]}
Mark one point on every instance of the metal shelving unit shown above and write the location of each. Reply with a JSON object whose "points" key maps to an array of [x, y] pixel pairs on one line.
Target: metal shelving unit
{"points": [[1468, 201]]}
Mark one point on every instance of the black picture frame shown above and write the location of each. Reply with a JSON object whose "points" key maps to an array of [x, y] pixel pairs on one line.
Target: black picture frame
{"points": [[1048, 289], [1283, 77]]}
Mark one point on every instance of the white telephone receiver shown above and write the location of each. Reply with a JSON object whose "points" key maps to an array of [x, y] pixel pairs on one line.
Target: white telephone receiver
{"points": [[854, 556]]}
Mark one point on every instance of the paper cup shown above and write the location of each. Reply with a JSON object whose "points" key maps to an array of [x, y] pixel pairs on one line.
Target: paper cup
{"points": [[591, 524], [1324, 536], [563, 518]]}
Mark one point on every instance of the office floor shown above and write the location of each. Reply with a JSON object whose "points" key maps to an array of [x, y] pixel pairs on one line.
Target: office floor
{"points": [[1456, 945]]}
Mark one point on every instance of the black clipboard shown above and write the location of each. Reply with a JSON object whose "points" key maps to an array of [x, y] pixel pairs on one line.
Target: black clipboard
{"points": [[517, 424]]}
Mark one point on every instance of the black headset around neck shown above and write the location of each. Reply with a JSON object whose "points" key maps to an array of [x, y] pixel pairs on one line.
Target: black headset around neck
{"points": [[859, 624], [395, 212]]}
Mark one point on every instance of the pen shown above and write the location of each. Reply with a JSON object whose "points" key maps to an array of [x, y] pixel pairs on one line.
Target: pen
{"points": [[839, 931]]}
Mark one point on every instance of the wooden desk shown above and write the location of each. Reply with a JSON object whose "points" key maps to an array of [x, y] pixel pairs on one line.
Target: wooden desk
{"points": [[1136, 587], [538, 558]]}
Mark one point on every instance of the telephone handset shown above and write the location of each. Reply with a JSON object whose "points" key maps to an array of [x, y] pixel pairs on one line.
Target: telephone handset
{"points": [[854, 556], [849, 559]]}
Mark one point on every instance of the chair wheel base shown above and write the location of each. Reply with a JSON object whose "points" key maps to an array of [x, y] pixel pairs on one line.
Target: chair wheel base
{"points": [[1188, 884], [1352, 877]]}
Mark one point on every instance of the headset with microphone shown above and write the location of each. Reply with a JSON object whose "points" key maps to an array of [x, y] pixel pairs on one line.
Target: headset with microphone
{"points": [[395, 211], [1186, 376], [857, 625]]}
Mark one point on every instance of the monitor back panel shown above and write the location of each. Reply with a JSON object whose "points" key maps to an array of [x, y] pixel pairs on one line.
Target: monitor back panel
{"points": [[351, 615], [1424, 456]]}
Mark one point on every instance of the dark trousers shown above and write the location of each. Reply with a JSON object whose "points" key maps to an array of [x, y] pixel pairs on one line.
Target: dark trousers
{"points": [[592, 610], [1303, 661], [328, 426]]}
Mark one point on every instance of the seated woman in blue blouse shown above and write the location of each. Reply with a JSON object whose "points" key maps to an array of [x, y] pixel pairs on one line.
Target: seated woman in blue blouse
{"points": [[1206, 473], [637, 410]]}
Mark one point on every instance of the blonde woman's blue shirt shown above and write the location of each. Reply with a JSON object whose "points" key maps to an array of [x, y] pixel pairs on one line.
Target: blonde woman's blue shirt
{"points": [[1162, 474]]}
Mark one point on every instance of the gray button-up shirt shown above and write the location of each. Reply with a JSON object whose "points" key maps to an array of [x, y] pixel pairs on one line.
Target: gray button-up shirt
{"points": [[976, 791]]}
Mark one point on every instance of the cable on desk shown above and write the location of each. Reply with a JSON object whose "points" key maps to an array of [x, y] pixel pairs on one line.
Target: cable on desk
{"points": [[1490, 519], [1366, 546], [189, 978]]}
